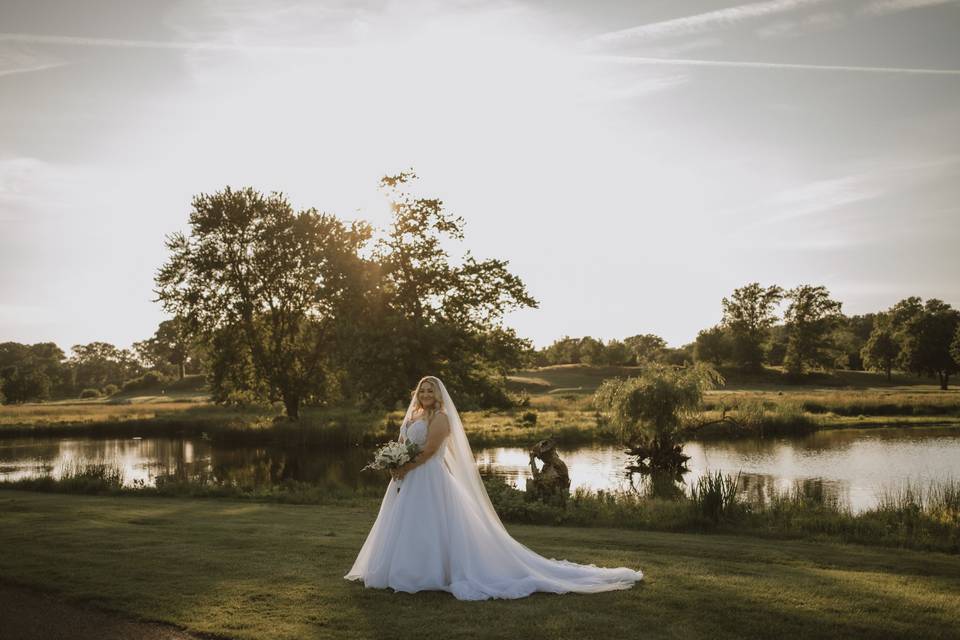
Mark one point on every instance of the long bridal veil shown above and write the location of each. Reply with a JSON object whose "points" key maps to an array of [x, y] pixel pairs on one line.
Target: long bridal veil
{"points": [[458, 458], [488, 562]]}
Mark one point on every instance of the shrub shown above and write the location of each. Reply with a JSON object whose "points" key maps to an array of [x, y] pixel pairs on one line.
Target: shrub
{"points": [[90, 393], [148, 380], [528, 419], [244, 398], [522, 400], [110, 389]]}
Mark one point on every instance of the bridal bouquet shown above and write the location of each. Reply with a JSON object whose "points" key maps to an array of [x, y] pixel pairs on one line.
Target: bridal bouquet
{"points": [[393, 455]]}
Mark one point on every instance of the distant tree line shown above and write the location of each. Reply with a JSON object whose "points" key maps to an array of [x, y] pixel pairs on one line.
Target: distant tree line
{"points": [[631, 351], [43, 371], [811, 334]]}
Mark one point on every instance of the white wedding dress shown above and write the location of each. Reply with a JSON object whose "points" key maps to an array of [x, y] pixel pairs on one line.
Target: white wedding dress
{"points": [[433, 535]]}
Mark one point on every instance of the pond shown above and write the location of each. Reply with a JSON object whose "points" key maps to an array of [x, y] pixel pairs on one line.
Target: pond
{"points": [[852, 466]]}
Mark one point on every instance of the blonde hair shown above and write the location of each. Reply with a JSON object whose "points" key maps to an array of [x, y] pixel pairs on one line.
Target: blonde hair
{"points": [[438, 401]]}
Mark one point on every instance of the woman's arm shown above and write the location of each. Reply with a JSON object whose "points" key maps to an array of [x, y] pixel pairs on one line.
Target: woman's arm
{"points": [[438, 430]]}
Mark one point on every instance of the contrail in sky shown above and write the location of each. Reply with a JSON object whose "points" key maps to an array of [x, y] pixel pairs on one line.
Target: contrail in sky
{"points": [[769, 65], [31, 38], [701, 22], [151, 44]]}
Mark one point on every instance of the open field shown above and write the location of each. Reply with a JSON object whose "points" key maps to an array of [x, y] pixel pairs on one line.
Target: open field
{"points": [[582, 378], [253, 570], [560, 405]]}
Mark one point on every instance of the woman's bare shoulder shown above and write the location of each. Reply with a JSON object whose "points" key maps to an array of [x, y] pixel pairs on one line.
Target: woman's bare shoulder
{"points": [[441, 420]]}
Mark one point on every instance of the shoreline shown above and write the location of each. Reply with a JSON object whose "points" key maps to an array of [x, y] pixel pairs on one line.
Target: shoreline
{"points": [[494, 430]]}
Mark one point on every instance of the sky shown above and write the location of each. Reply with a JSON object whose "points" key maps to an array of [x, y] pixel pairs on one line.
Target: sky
{"points": [[635, 162]]}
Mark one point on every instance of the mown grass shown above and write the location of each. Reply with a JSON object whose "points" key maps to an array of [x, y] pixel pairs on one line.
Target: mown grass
{"points": [[256, 570]]}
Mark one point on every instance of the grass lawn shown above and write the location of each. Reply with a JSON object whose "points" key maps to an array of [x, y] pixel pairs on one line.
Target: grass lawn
{"points": [[258, 570]]}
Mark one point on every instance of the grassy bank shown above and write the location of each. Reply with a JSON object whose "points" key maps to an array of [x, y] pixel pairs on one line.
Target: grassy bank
{"points": [[914, 516], [351, 427], [555, 401], [250, 570]]}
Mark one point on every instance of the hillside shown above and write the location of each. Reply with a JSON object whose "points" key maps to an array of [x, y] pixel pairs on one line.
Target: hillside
{"points": [[585, 379]]}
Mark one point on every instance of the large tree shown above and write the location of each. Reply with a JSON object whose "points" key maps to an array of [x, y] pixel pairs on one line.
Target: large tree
{"points": [[646, 347], [955, 347], [853, 337], [271, 279], [926, 340], [749, 314], [169, 346], [430, 313], [97, 364], [712, 345], [810, 320], [882, 349], [32, 372]]}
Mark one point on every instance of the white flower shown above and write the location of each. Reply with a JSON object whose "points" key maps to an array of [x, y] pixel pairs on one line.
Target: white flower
{"points": [[393, 455]]}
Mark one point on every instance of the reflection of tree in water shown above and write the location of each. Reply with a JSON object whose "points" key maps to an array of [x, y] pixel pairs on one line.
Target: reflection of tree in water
{"points": [[764, 489], [666, 485], [277, 465], [491, 469]]}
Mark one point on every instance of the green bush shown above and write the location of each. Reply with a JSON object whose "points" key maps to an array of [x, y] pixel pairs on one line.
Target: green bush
{"points": [[528, 419], [110, 389], [90, 393], [149, 380]]}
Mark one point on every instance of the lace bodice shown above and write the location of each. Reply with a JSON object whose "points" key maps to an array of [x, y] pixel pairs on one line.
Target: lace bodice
{"points": [[415, 432]]}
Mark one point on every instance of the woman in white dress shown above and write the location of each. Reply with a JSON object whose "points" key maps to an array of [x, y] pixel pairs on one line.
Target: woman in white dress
{"points": [[437, 530]]}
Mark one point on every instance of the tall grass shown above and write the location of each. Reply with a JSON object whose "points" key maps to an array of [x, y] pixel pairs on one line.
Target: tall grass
{"points": [[714, 495]]}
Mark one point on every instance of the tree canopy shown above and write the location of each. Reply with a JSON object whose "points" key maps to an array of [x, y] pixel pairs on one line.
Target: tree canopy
{"points": [[811, 319], [749, 314], [269, 277], [303, 307]]}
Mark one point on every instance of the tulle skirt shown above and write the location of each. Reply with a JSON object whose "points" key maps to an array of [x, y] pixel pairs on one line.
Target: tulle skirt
{"points": [[428, 536]]}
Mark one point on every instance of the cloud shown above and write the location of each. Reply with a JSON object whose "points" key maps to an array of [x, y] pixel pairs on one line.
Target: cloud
{"points": [[885, 7], [821, 21], [806, 214], [16, 59], [32, 38], [643, 60], [702, 22], [630, 90]]}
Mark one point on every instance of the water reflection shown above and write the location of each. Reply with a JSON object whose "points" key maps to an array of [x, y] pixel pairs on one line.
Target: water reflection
{"points": [[144, 461], [849, 466]]}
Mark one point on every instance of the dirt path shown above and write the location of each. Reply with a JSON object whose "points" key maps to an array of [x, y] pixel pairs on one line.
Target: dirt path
{"points": [[26, 614]]}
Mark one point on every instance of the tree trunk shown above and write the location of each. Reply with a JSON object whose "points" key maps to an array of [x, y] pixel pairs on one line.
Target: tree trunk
{"points": [[888, 375], [944, 379], [182, 370], [292, 403]]}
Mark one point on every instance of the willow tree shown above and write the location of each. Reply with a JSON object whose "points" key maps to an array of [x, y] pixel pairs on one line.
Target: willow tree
{"points": [[271, 278], [650, 411]]}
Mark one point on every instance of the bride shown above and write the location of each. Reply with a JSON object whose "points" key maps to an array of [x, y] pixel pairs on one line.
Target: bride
{"points": [[437, 530]]}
